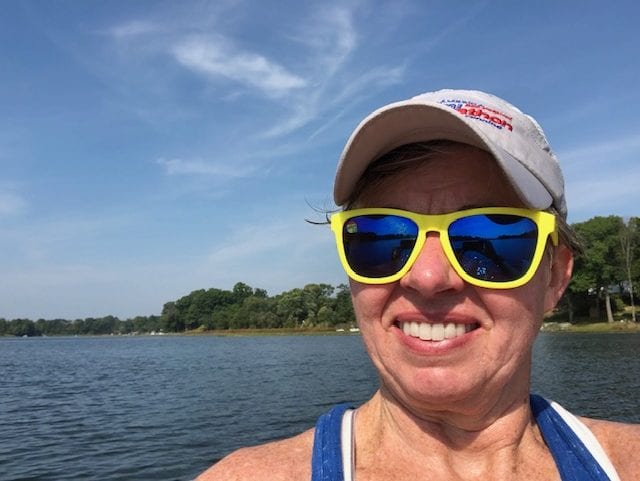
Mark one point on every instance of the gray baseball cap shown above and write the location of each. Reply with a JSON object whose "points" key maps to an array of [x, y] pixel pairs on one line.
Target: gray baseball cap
{"points": [[471, 117]]}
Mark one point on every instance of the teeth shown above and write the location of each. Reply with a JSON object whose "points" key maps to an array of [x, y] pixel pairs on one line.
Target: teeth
{"points": [[406, 328], [435, 332], [425, 331], [449, 331], [415, 329]]}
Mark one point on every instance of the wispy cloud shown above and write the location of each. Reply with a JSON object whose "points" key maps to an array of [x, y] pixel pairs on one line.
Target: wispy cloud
{"points": [[78, 290], [254, 241], [330, 35], [274, 255], [132, 28], [336, 101], [599, 151], [330, 38], [322, 45], [200, 167], [263, 240], [11, 204], [360, 89], [609, 194], [56, 237], [601, 177], [218, 58], [454, 26]]}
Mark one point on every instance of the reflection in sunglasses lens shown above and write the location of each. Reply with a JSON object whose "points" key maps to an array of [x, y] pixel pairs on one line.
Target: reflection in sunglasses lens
{"points": [[496, 248], [378, 245]]}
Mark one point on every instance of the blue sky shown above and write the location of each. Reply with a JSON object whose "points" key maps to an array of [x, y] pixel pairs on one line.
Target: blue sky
{"points": [[151, 148]]}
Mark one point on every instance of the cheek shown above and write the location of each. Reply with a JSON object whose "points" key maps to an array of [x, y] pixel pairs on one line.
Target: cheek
{"points": [[521, 308], [369, 301]]}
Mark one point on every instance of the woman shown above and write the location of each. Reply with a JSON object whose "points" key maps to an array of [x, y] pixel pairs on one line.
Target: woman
{"points": [[454, 237]]}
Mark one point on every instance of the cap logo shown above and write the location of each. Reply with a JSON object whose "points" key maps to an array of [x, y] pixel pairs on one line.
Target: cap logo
{"points": [[480, 112]]}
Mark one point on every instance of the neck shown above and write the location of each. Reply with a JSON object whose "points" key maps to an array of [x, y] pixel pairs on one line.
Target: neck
{"points": [[458, 427], [452, 442]]}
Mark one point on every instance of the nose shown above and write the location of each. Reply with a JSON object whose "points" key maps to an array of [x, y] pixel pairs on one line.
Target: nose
{"points": [[432, 272]]}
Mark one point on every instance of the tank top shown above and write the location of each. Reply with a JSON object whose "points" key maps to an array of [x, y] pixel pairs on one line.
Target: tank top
{"points": [[576, 451]]}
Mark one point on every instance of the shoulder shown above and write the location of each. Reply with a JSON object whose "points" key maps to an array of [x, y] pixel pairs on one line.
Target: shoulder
{"points": [[289, 459], [621, 442]]}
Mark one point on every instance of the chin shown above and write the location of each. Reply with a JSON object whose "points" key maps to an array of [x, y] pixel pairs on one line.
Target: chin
{"points": [[438, 386]]}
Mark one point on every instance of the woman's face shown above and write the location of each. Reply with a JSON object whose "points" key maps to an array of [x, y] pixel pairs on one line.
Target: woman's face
{"points": [[495, 328]]}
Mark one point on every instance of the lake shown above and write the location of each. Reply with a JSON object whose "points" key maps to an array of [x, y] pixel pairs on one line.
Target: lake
{"points": [[167, 407]]}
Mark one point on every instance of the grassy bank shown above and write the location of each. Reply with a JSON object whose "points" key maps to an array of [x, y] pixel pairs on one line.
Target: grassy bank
{"points": [[547, 327], [311, 331], [616, 326]]}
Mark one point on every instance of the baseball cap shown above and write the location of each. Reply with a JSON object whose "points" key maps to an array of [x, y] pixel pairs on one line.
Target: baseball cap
{"points": [[482, 120]]}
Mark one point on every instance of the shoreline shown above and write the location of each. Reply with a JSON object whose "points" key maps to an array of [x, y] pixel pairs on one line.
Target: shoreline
{"points": [[604, 327], [627, 327], [276, 331], [560, 327]]}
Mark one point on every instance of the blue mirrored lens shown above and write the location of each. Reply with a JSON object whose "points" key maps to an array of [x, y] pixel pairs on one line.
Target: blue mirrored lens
{"points": [[496, 248], [378, 245]]}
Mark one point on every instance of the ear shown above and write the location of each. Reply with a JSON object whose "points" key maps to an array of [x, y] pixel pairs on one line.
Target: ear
{"points": [[560, 275]]}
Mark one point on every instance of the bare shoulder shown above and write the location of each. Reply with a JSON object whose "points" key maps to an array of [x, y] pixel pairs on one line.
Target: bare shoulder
{"points": [[289, 459], [622, 443]]}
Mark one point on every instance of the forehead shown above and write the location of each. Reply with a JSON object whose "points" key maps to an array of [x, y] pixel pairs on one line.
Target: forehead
{"points": [[460, 178]]}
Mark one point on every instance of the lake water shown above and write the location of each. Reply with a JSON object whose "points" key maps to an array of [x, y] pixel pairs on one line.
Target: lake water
{"points": [[165, 408]]}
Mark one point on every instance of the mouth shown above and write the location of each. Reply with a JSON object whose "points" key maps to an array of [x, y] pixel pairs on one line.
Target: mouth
{"points": [[435, 332]]}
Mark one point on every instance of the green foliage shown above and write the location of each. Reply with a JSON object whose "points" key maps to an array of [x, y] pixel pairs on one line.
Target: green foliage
{"points": [[343, 306], [600, 274], [169, 319], [89, 326], [600, 265], [243, 307]]}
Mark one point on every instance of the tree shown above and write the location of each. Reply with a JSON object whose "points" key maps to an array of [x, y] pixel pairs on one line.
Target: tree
{"points": [[170, 319], [198, 310], [220, 318], [629, 234], [259, 312], [326, 316], [241, 291], [22, 327], [599, 267], [260, 293], [291, 308], [343, 305], [316, 297]]}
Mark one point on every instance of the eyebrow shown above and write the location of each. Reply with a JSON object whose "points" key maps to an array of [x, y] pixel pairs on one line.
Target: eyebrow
{"points": [[488, 204], [462, 207]]}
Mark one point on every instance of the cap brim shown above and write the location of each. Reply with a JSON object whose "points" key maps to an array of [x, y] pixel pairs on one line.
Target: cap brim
{"points": [[410, 121]]}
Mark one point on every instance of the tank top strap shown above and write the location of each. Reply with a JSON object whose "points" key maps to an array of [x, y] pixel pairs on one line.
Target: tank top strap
{"points": [[576, 451], [326, 464]]}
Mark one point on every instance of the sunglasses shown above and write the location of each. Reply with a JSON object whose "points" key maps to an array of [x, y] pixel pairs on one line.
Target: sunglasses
{"points": [[493, 247]]}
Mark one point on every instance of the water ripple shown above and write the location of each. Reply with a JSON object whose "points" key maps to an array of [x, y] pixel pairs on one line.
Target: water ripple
{"points": [[165, 408]]}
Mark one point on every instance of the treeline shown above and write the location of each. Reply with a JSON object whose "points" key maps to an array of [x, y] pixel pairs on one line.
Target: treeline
{"points": [[606, 275], [243, 307], [79, 327], [315, 305], [602, 287]]}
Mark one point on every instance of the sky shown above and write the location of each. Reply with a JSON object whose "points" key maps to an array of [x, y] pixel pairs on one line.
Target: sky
{"points": [[151, 148]]}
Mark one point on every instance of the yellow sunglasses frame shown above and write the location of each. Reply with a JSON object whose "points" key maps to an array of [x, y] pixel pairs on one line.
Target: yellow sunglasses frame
{"points": [[439, 223]]}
